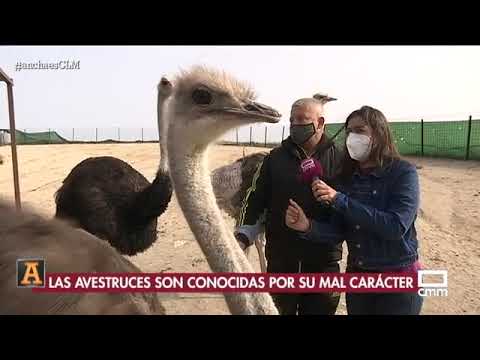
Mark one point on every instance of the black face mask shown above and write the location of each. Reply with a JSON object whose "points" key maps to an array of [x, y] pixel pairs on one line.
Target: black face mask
{"points": [[300, 134]]}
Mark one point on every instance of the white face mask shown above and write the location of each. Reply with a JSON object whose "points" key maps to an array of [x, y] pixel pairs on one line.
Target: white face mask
{"points": [[359, 146]]}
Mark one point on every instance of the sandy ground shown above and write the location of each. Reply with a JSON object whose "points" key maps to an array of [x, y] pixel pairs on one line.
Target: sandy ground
{"points": [[448, 222]]}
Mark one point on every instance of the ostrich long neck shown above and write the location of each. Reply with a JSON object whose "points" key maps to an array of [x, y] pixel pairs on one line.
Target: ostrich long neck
{"points": [[162, 131], [153, 200], [195, 195]]}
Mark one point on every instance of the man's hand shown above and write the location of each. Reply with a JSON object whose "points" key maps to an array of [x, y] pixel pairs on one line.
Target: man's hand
{"points": [[323, 192], [295, 218]]}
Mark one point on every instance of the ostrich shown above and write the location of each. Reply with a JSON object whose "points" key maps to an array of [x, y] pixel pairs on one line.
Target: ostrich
{"points": [[204, 105], [324, 98], [230, 184], [111, 200], [65, 249]]}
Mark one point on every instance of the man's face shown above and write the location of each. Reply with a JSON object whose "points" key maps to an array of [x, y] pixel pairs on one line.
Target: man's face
{"points": [[306, 115]]}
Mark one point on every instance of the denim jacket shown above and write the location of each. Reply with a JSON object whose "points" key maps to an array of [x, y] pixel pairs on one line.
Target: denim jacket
{"points": [[375, 213]]}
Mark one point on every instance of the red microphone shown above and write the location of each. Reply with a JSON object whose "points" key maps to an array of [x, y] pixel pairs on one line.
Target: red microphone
{"points": [[311, 170]]}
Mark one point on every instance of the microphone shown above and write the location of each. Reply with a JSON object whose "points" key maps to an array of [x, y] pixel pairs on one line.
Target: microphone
{"points": [[311, 170]]}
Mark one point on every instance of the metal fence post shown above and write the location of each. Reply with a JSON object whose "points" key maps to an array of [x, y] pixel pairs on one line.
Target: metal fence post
{"points": [[142, 134], [49, 136], [421, 130], [118, 134], [96, 135], [265, 136], [250, 136], [283, 131], [237, 135], [73, 134], [469, 135], [13, 146]]}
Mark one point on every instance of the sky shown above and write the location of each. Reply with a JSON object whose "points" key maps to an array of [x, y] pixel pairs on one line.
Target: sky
{"points": [[116, 86]]}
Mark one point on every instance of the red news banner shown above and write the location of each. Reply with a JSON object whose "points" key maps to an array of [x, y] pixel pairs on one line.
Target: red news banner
{"points": [[230, 282]]}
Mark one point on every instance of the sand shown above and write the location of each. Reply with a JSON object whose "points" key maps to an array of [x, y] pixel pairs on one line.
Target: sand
{"points": [[448, 223]]}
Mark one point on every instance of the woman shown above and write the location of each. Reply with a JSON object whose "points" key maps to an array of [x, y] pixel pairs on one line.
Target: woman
{"points": [[375, 204]]}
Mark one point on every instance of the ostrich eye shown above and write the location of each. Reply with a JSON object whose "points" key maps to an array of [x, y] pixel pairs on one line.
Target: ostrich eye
{"points": [[202, 97]]}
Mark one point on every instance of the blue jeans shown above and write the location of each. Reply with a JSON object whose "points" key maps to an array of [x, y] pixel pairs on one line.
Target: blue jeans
{"points": [[384, 303]]}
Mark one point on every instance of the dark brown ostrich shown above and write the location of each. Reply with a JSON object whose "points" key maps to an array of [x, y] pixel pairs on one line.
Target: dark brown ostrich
{"points": [[25, 235], [111, 200]]}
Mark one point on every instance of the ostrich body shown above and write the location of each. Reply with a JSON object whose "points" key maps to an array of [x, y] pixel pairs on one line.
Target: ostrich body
{"points": [[231, 182], [111, 200], [230, 185], [204, 105], [65, 249]]}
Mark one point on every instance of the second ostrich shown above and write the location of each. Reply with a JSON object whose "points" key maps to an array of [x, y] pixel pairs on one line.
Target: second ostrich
{"points": [[111, 200], [230, 185]]}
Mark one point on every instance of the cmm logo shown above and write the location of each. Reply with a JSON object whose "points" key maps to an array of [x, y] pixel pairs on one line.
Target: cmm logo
{"points": [[31, 273], [432, 288]]}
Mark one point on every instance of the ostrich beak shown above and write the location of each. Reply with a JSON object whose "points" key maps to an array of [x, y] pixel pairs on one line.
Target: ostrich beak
{"points": [[257, 111]]}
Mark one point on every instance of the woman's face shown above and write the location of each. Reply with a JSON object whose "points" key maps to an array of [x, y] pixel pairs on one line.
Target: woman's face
{"points": [[358, 126]]}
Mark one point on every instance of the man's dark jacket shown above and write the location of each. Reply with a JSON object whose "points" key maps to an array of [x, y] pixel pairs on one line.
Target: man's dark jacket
{"points": [[276, 181]]}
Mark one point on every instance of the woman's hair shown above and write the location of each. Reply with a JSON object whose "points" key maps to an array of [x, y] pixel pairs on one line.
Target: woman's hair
{"points": [[383, 149]]}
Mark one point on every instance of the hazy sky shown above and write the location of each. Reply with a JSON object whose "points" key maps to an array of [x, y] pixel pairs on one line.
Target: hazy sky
{"points": [[115, 86]]}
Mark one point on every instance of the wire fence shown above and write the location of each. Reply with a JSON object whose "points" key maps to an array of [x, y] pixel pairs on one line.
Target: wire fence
{"points": [[458, 139]]}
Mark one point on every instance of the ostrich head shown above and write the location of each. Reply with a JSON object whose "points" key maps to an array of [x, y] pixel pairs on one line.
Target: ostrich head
{"points": [[323, 98], [207, 103], [165, 87]]}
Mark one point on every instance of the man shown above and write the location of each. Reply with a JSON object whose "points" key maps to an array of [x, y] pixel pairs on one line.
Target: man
{"points": [[277, 181]]}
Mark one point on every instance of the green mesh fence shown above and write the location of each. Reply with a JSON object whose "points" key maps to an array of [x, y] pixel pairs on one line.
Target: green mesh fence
{"points": [[475, 140], [447, 139], [46, 137], [407, 137], [332, 130]]}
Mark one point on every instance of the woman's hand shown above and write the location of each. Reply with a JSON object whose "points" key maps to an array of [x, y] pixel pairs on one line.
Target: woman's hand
{"points": [[295, 218], [323, 192]]}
